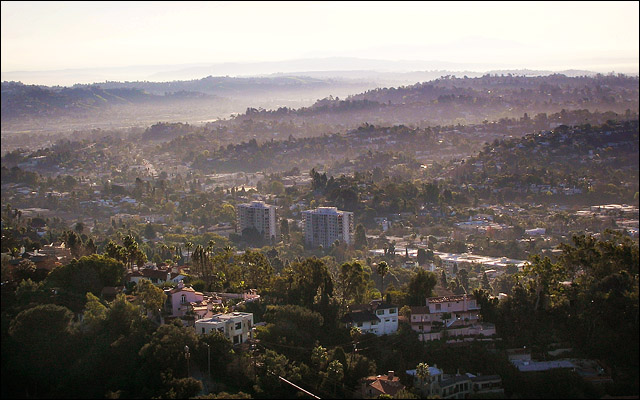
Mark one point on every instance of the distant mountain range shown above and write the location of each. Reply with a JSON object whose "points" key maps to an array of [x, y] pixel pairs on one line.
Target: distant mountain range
{"points": [[19, 100], [389, 97], [333, 67]]}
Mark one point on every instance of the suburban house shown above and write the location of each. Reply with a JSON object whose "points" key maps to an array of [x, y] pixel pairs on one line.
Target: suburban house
{"points": [[430, 385], [42, 261], [457, 386], [60, 252], [376, 317], [487, 384], [236, 326], [179, 299], [156, 276], [469, 261], [109, 293], [374, 386], [456, 315]]}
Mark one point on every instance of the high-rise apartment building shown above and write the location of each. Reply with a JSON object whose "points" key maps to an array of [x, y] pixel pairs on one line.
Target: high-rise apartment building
{"points": [[324, 225], [257, 215]]}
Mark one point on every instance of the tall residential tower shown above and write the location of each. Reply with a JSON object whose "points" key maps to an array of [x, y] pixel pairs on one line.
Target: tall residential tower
{"points": [[257, 215], [324, 225]]}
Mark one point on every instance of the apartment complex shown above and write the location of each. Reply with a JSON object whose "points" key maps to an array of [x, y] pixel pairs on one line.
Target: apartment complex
{"points": [[236, 326], [324, 225], [257, 215]]}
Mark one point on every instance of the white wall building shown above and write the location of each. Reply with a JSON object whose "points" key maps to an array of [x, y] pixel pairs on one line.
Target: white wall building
{"points": [[236, 326], [257, 215], [466, 260], [376, 317], [324, 225]]}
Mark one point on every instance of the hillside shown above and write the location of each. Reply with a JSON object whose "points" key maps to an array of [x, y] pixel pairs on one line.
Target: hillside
{"points": [[452, 100], [594, 163]]}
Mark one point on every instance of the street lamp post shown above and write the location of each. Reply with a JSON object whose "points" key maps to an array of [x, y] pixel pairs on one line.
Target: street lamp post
{"points": [[209, 358], [187, 355]]}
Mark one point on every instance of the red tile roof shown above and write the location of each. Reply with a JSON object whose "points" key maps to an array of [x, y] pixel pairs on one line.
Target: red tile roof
{"points": [[384, 385]]}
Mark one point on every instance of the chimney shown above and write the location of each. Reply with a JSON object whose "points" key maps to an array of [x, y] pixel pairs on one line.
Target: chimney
{"points": [[390, 376]]}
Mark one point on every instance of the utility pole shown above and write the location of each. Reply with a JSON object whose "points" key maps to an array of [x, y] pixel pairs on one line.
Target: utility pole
{"points": [[187, 355], [209, 358], [253, 361]]}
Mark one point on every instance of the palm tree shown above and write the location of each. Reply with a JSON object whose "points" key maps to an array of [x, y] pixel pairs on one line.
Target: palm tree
{"points": [[382, 269], [163, 250], [210, 247], [188, 246], [335, 372], [422, 372], [355, 334]]}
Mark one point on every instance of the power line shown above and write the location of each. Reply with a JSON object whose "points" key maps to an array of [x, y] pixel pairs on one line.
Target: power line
{"points": [[298, 387], [354, 393]]}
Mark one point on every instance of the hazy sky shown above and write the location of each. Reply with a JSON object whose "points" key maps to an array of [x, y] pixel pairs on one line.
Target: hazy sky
{"points": [[39, 36]]}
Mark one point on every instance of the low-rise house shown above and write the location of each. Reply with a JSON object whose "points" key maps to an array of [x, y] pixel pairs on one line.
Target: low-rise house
{"points": [[60, 252], [466, 260], [536, 366], [236, 326], [457, 386], [487, 384], [207, 307], [179, 299], [156, 276], [109, 293], [40, 260], [374, 386], [429, 385], [376, 317], [456, 315]]}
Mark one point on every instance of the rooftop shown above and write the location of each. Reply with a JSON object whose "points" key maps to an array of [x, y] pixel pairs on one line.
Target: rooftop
{"points": [[225, 317], [445, 299]]}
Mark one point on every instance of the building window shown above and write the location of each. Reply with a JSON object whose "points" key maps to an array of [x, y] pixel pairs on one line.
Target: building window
{"points": [[374, 322], [392, 311], [183, 299], [438, 307], [380, 312], [238, 325], [202, 330], [359, 323]]}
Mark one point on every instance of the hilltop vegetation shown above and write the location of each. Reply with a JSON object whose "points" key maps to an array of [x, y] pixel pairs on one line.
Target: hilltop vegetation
{"points": [[278, 105], [23, 101], [600, 163], [451, 100]]}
